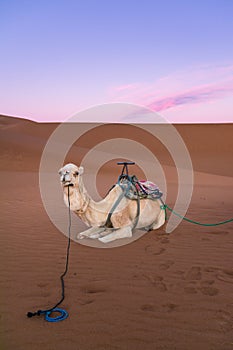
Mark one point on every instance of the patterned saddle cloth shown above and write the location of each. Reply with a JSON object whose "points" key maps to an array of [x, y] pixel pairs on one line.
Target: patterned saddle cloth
{"points": [[144, 189]]}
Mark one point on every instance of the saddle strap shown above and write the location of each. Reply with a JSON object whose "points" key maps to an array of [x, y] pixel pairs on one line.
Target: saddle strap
{"points": [[108, 222], [124, 193]]}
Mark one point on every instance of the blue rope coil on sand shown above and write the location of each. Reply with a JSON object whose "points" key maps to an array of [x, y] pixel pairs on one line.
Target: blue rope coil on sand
{"points": [[63, 315]]}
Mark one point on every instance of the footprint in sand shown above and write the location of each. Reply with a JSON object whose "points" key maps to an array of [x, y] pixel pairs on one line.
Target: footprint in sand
{"points": [[222, 233], [148, 307], [93, 289], [195, 282], [194, 274], [154, 250], [86, 302], [190, 290], [225, 276], [207, 283], [161, 287], [166, 265], [180, 273], [170, 307], [210, 269], [225, 320], [165, 240], [42, 285], [157, 282], [211, 291]]}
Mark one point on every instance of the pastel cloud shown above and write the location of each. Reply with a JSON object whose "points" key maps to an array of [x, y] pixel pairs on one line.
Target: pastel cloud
{"points": [[197, 95], [201, 85]]}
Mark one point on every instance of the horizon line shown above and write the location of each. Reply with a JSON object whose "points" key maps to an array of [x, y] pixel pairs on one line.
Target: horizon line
{"points": [[110, 122]]}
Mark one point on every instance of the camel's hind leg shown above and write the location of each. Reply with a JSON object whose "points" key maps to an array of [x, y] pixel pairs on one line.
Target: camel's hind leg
{"points": [[124, 232], [159, 222]]}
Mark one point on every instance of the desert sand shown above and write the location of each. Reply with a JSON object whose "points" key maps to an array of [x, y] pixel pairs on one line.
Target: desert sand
{"points": [[162, 291]]}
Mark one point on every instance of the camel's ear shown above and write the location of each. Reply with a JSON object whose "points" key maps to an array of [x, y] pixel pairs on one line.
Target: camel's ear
{"points": [[80, 170]]}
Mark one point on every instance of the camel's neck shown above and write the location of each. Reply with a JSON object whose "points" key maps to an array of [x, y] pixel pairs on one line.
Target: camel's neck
{"points": [[91, 212], [80, 201], [79, 198]]}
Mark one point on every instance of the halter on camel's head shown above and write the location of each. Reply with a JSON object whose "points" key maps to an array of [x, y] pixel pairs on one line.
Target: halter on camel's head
{"points": [[69, 174]]}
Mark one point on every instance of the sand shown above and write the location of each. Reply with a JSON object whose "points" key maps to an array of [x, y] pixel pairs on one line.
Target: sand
{"points": [[163, 291]]}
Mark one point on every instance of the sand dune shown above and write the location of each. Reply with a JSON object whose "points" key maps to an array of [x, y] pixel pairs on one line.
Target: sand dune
{"points": [[159, 292]]}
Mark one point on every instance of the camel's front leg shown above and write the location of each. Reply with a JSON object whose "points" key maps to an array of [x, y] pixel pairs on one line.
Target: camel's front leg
{"points": [[93, 232], [124, 232]]}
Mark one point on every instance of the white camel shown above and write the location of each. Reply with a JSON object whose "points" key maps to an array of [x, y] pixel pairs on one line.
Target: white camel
{"points": [[94, 214]]}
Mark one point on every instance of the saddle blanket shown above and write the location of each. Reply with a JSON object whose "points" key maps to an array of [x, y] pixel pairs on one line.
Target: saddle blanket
{"points": [[147, 186], [145, 189]]}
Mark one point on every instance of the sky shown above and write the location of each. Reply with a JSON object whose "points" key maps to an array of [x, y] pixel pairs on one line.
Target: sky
{"points": [[60, 57]]}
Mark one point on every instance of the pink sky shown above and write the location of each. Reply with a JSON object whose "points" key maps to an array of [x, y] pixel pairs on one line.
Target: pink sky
{"points": [[196, 94], [58, 58]]}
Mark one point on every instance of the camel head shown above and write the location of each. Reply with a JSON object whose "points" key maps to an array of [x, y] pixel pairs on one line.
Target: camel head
{"points": [[70, 174]]}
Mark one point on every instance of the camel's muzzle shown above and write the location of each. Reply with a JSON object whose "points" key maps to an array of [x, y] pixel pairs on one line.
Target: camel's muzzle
{"points": [[66, 179]]}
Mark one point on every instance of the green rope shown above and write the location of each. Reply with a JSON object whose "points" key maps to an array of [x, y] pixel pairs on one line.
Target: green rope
{"points": [[165, 206]]}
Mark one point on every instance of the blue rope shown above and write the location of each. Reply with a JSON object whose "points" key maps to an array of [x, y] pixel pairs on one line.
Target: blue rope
{"points": [[63, 313]]}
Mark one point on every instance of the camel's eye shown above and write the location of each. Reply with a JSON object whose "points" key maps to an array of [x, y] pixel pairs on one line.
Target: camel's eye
{"points": [[76, 173], [60, 173]]}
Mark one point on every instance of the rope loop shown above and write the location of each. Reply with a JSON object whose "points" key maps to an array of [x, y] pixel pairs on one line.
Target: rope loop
{"points": [[63, 315]]}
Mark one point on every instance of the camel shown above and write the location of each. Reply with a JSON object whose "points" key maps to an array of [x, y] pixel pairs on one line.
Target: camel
{"points": [[95, 214]]}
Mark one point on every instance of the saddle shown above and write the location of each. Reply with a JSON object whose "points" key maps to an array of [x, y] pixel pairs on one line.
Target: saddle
{"points": [[134, 189], [143, 189]]}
